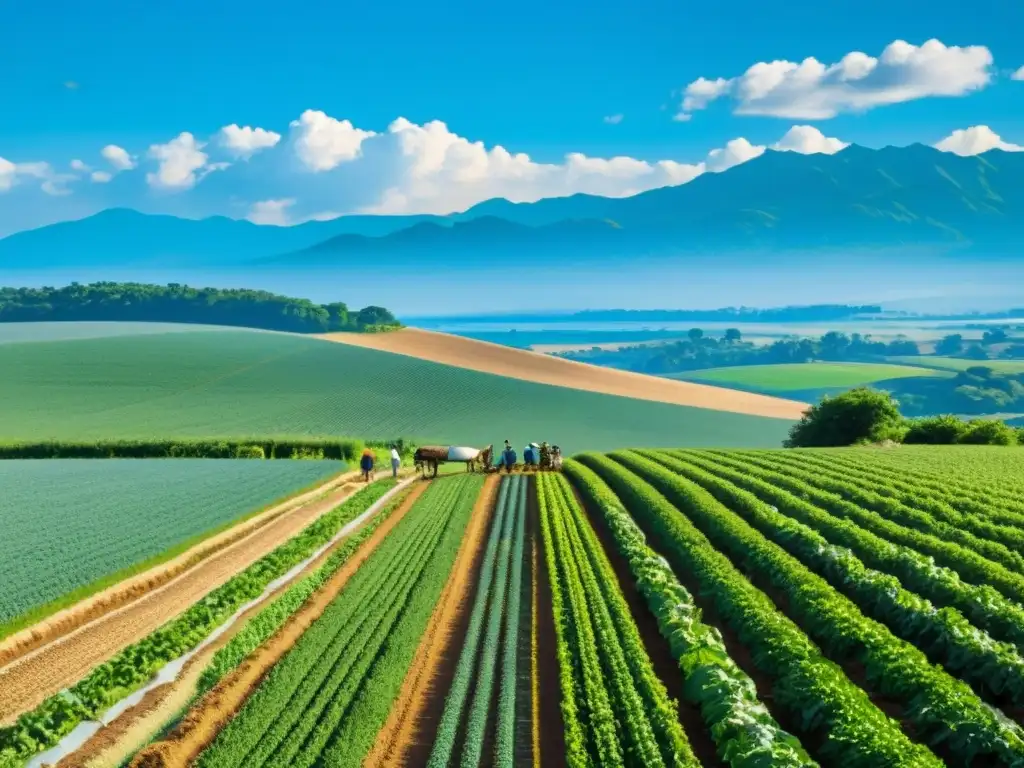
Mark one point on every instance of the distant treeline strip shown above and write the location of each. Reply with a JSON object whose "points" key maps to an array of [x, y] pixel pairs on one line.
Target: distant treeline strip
{"points": [[176, 303], [243, 448]]}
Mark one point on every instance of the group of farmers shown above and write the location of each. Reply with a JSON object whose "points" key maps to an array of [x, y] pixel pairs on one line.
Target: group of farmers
{"points": [[534, 455], [368, 461]]}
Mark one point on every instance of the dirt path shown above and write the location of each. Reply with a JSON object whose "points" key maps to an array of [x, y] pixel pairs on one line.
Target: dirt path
{"points": [[202, 724], [29, 680], [132, 588], [140, 724], [544, 369], [407, 736]]}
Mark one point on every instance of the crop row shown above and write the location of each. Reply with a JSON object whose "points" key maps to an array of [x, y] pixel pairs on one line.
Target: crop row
{"points": [[898, 512], [943, 710], [964, 497], [971, 566], [984, 606], [326, 699], [833, 714], [491, 650], [915, 497], [111, 681], [744, 731], [630, 719], [994, 669]]}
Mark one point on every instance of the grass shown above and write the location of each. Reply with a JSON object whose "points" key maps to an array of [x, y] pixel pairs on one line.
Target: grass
{"points": [[222, 383], [792, 377], [958, 364], [89, 524], [11, 333]]}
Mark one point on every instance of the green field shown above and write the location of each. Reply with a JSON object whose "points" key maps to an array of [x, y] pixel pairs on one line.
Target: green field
{"points": [[957, 364], [239, 383], [70, 524], [12, 333], [793, 377]]}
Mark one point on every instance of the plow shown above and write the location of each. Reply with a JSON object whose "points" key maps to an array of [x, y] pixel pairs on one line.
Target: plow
{"points": [[537, 458]]}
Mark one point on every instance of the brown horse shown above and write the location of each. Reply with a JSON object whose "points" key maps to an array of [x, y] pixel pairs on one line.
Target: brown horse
{"points": [[431, 456]]}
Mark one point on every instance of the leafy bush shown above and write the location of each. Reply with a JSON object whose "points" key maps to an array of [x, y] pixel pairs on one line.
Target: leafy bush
{"points": [[861, 415], [988, 432], [935, 430]]}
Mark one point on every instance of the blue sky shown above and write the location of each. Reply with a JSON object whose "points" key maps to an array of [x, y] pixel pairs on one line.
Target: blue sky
{"points": [[535, 78]]}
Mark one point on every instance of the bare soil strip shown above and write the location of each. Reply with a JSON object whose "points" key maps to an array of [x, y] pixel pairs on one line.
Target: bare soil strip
{"points": [[122, 593], [138, 725], [407, 736], [204, 721], [544, 369], [29, 680]]}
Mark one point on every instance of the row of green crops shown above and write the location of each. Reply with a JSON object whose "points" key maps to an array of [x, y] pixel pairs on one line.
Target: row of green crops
{"points": [[111, 681], [984, 606], [744, 731], [623, 713], [924, 500], [944, 711], [833, 714], [326, 700], [971, 566], [489, 650], [994, 669]]}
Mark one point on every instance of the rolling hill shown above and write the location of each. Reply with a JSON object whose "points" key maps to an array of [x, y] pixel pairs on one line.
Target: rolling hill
{"points": [[859, 197], [239, 383]]}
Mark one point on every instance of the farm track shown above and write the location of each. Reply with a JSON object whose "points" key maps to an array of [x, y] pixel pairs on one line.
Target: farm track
{"points": [[137, 726], [122, 593], [30, 679], [500, 360], [204, 721], [406, 738]]}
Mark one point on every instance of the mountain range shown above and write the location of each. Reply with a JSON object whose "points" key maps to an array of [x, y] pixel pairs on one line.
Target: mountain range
{"points": [[896, 197]]}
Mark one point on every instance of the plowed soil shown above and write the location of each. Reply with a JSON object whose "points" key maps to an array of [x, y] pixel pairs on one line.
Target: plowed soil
{"points": [[130, 589], [544, 369], [408, 735], [201, 725], [29, 680]]}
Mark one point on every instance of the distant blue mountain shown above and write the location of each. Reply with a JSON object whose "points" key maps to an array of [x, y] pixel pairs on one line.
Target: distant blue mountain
{"points": [[888, 198]]}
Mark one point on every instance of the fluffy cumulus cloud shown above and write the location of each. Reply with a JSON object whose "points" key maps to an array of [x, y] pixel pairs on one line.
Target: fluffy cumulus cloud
{"points": [[808, 140], [48, 179], [271, 211], [812, 90], [974, 141], [180, 163], [1018, 75], [118, 157], [322, 143], [247, 141]]}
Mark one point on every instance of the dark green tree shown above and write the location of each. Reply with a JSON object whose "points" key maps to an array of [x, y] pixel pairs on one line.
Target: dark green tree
{"points": [[949, 345], [861, 415]]}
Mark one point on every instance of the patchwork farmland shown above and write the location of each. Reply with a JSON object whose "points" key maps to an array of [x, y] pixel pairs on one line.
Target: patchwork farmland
{"points": [[677, 607]]}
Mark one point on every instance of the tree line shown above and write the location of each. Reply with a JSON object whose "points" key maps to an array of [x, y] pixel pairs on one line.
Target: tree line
{"points": [[177, 303]]}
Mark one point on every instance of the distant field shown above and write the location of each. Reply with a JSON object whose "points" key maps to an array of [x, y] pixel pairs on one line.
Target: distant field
{"points": [[805, 376], [11, 333], [238, 383], [70, 522], [956, 364]]}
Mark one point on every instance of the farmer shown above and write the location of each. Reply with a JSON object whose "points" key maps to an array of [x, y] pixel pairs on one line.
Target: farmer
{"points": [[508, 457], [366, 463], [528, 458], [396, 461]]}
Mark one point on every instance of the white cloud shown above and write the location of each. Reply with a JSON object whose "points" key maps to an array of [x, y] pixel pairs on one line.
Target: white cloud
{"points": [[118, 157], [51, 182], [808, 140], [247, 141], [811, 90], [974, 141], [733, 153], [78, 165], [614, 119], [181, 162], [323, 143], [271, 211], [8, 174], [1018, 75], [100, 177]]}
